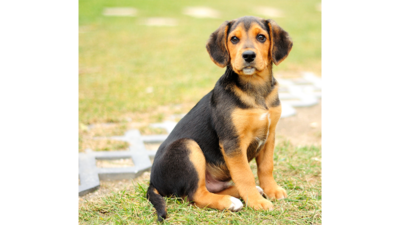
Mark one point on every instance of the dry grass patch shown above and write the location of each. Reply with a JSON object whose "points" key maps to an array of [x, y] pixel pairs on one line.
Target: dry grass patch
{"points": [[87, 134]]}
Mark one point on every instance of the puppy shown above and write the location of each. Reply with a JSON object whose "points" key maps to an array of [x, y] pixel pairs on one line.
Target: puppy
{"points": [[231, 125]]}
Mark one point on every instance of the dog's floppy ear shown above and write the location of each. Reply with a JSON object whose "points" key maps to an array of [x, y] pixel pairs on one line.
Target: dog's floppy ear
{"points": [[216, 45], [281, 43]]}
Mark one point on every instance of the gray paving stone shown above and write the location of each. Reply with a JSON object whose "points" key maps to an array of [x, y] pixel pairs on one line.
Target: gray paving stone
{"points": [[201, 12], [119, 11], [287, 110], [87, 174], [154, 138], [160, 21], [90, 175], [302, 92]]}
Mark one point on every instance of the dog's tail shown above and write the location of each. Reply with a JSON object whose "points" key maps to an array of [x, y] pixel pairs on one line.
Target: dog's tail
{"points": [[158, 202]]}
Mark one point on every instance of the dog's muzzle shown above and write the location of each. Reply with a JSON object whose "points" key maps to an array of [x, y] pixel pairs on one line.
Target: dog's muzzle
{"points": [[249, 70]]}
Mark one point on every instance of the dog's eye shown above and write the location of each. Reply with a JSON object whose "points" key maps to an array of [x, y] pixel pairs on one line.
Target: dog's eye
{"points": [[261, 38], [234, 40]]}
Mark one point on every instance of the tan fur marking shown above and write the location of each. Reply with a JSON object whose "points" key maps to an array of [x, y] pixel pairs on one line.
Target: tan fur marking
{"points": [[249, 100], [220, 172], [232, 191], [247, 123], [244, 97], [245, 182], [248, 126], [265, 160], [202, 197], [262, 60]]}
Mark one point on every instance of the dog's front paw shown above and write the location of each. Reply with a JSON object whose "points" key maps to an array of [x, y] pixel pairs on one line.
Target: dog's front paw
{"points": [[236, 204], [275, 193], [261, 204]]}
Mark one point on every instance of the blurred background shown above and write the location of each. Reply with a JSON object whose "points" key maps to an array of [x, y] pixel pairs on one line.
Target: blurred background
{"points": [[141, 62]]}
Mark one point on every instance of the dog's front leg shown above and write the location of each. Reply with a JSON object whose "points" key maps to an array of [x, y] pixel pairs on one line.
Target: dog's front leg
{"points": [[239, 168], [265, 166]]}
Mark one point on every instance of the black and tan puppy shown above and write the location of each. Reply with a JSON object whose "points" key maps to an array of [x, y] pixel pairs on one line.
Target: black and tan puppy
{"points": [[233, 124]]}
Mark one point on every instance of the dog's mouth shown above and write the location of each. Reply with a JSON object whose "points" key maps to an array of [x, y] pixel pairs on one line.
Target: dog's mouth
{"points": [[249, 70]]}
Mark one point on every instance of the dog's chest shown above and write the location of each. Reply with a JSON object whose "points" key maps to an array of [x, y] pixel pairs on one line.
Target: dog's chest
{"points": [[254, 128], [259, 136], [251, 121]]}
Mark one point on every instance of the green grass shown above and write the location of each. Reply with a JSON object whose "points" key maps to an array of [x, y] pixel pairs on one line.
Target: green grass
{"points": [[298, 170], [119, 57]]}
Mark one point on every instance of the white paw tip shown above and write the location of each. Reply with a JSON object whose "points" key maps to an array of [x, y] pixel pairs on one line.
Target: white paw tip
{"points": [[236, 204], [260, 190], [281, 198]]}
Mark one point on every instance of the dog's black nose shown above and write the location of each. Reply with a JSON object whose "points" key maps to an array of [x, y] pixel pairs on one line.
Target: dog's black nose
{"points": [[249, 56]]}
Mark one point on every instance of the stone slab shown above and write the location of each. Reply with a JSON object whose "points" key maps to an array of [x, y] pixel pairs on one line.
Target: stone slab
{"points": [[90, 175]]}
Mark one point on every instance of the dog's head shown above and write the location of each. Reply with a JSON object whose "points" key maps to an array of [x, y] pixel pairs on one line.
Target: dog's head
{"points": [[249, 44]]}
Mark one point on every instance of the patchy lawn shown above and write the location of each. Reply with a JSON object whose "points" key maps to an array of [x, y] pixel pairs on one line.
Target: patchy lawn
{"points": [[297, 169]]}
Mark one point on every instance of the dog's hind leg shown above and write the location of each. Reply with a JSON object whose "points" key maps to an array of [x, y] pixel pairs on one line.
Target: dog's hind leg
{"points": [[202, 197], [233, 191]]}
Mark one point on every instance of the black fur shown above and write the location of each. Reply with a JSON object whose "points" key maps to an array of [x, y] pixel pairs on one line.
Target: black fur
{"points": [[252, 149], [216, 45], [247, 20], [158, 203], [282, 43], [172, 173], [276, 102]]}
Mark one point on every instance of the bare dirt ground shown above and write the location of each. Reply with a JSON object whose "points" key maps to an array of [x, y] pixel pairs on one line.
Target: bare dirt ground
{"points": [[108, 187], [304, 128]]}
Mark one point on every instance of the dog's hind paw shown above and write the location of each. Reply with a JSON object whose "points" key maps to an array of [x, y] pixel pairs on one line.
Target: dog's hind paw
{"points": [[236, 204], [260, 190]]}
